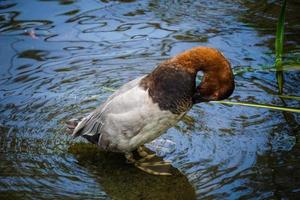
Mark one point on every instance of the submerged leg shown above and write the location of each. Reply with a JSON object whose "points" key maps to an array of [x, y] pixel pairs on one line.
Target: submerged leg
{"points": [[154, 167]]}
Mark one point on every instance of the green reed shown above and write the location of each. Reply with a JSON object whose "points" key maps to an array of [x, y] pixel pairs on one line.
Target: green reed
{"points": [[279, 48]]}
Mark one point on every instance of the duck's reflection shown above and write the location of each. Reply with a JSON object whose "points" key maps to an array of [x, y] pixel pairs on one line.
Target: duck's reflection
{"points": [[123, 181]]}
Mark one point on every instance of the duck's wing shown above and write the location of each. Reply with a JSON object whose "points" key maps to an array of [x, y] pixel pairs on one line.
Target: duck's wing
{"points": [[92, 124]]}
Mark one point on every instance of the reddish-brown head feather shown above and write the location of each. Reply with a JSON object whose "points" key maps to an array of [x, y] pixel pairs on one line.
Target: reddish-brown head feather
{"points": [[218, 80]]}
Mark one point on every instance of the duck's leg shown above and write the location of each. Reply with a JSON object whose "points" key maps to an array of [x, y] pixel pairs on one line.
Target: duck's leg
{"points": [[149, 167], [144, 154]]}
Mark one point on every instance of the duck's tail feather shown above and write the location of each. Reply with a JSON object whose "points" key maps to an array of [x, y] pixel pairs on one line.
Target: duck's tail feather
{"points": [[73, 128], [92, 138]]}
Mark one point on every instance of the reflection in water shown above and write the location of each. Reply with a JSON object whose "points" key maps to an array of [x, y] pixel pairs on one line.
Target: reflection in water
{"points": [[226, 152], [123, 181]]}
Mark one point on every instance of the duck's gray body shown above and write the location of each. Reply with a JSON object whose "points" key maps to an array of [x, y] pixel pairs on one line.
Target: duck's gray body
{"points": [[128, 119]]}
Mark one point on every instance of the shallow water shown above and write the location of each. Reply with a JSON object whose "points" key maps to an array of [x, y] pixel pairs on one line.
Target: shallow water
{"points": [[56, 57]]}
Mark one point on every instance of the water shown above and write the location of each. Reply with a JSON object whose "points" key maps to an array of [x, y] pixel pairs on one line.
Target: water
{"points": [[56, 57]]}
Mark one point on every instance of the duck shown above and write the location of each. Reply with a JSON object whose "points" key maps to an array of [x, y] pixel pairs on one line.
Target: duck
{"points": [[146, 107]]}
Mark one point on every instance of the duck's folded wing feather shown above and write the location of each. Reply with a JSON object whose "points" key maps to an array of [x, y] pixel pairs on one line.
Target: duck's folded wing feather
{"points": [[117, 102]]}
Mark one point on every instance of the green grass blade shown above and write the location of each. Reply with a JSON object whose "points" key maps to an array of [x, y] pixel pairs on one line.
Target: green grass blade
{"points": [[289, 97], [279, 47], [280, 80], [281, 108], [291, 67], [280, 33], [108, 89]]}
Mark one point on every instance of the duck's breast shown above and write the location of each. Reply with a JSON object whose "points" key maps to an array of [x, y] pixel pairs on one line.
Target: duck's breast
{"points": [[132, 120]]}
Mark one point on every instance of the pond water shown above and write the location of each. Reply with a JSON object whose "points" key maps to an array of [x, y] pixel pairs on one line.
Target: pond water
{"points": [[57, 57]]}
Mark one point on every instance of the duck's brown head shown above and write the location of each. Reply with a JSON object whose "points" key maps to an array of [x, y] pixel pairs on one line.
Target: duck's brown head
{"points": [[218, 80]]}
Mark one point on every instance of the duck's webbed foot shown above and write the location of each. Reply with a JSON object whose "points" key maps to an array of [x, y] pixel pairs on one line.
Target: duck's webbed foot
{"points": [[148, 164]]}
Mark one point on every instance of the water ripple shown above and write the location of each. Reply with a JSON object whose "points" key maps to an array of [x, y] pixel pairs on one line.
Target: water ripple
{"points": [[57, 56]]}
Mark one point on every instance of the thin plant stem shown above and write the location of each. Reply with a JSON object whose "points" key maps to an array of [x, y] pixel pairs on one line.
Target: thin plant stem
{"points": [[279, 48], [281, 108]]}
